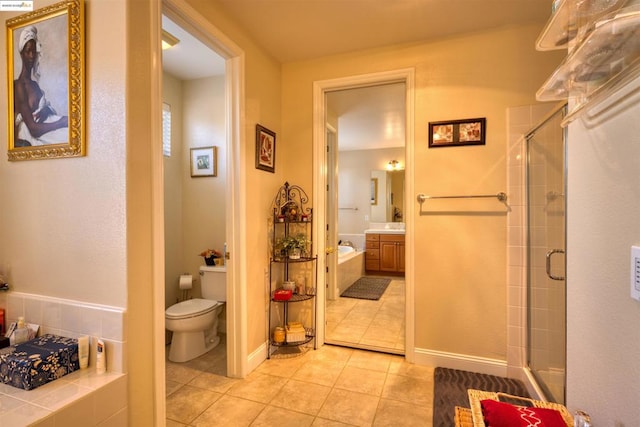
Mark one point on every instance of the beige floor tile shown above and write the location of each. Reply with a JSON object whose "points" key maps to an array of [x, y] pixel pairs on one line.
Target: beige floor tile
{"points": [[371, 360], [384, 320], [301, 397], [378, 342], [280, 417], [417, 391], [330, 353], [213, 382], [323, 422], [185, 404], [171, 386], [180, 373], [392, 413], [284, 368], [229, 411], [257, 387], [400, 367], [171, 423], [323, 372], [361, 381], [350, 407], [347, 334]]}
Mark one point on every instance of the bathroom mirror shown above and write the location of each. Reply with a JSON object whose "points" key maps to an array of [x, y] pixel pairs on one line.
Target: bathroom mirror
{"points": [[390, 196]]}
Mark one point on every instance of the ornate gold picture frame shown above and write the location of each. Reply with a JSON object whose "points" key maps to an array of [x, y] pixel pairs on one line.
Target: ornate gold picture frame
{"points": [[45, 70]]}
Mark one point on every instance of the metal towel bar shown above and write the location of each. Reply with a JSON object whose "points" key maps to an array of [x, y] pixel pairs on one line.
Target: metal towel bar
{"points": [[349, 209], [500, 196]]}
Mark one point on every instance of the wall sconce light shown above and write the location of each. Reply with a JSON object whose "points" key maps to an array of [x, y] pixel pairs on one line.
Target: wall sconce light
{"points": [[168, 40], [393, 165]]}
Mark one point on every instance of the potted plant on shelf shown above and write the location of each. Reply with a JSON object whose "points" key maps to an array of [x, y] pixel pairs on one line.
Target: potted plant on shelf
{"points": [[210, 256], [293, 246]]}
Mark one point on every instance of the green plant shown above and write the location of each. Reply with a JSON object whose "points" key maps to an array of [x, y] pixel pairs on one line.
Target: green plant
{"points": [[298, 241]]}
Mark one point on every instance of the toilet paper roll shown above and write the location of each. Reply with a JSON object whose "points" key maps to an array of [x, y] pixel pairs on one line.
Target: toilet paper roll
{"points": [[186, 281]]}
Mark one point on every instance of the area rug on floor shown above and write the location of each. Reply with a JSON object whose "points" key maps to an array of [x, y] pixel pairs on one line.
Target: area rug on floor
{"points": [[450, 390], [367, 288]]}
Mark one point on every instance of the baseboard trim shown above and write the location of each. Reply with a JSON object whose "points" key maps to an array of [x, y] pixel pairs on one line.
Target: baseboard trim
{"points": [[256, 357], [463, 362]]}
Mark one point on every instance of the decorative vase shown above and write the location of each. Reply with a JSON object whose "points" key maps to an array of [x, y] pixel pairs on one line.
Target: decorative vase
{"points": [[209, 260], [294, 253]]}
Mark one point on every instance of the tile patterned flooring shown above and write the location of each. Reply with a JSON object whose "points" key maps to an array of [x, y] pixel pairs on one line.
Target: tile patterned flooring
{"points": [[371, 324], [330, 386]]}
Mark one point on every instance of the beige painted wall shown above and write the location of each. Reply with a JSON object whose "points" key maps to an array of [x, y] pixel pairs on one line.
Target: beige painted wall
{"points": [[63, 225], [262, 105], [203, 203], [460, 290], [173, 169], [194, 207]]}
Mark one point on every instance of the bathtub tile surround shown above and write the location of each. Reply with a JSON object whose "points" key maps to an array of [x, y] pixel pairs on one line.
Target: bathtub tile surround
{"points": [[72, 319], [82, 397]]}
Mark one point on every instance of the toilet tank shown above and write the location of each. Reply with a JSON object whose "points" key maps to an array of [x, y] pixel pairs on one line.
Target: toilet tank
{"points": [[213, 280]]}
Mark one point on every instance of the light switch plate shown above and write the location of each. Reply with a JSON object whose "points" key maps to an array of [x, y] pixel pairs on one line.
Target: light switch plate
{"points": [[635, 272]]}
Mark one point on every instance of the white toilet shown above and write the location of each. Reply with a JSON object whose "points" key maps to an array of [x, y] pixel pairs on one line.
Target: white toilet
{"points": [[194, 322]]}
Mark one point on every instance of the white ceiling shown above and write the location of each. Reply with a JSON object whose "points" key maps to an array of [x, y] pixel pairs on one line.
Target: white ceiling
{"points": [[369, 117], [297, 30], [190, 58]]}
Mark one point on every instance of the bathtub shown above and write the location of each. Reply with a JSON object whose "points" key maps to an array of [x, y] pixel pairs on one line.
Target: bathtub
{"points": [[345, 253], [350, 267]]}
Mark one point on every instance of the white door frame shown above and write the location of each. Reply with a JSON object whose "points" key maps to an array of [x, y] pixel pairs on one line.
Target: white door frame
{"points": [[320, 88], [187, 17]]}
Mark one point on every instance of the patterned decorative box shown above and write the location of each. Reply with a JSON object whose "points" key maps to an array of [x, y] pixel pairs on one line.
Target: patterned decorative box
{"points": [[38, 361]]}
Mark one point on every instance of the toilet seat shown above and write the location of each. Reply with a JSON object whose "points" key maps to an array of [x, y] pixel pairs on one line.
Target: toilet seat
{"points": [[190, 308]]}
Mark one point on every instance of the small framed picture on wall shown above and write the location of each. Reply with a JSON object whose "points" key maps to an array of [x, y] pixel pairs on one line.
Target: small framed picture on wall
{"points": [[204, 161], [265, 149], [452, 133]]}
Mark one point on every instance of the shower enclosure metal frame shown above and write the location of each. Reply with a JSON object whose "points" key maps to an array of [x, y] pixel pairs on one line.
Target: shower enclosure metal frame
{"points": [[543, 273]]}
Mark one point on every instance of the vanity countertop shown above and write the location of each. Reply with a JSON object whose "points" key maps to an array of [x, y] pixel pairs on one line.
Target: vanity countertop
{"points": [[384, 231]]}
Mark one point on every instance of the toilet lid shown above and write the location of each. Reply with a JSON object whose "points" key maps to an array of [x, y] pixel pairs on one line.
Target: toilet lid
{"points": [[190, 307]]}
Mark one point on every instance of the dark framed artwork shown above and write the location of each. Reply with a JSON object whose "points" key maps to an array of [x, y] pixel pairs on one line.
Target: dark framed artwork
{"points": [[453, 133], [265, 149], [204, 161], [45, 71]]}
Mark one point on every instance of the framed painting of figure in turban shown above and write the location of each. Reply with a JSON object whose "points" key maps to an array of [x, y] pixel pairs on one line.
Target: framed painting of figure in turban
{"points": [[46, 82]]}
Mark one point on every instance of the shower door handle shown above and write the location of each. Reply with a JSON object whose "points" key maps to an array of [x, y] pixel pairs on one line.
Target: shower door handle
{"points": [[549, 254]]}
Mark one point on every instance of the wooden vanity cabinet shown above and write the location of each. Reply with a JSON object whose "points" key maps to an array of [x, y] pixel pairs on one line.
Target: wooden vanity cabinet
{"points": [[384, 253], [372, 252]]}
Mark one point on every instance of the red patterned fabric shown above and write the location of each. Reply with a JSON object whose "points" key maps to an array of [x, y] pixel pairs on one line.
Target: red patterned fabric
{"points": [[500, 414]]}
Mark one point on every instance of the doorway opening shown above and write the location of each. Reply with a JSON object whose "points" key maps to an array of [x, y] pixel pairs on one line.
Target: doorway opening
{"points": [[337, 201], [365, 299], [236, 336], [195, 174]]}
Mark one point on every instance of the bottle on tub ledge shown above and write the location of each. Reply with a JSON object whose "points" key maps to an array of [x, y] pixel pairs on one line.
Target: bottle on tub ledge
{"points": [[101, 358], [21, 333]]}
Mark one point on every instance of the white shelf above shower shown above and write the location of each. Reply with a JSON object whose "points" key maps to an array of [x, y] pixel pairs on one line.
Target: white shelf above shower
{"points": [[604, 51]]}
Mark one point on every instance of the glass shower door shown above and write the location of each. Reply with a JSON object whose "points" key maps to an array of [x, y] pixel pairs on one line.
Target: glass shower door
{"points": [[546, 285]]}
